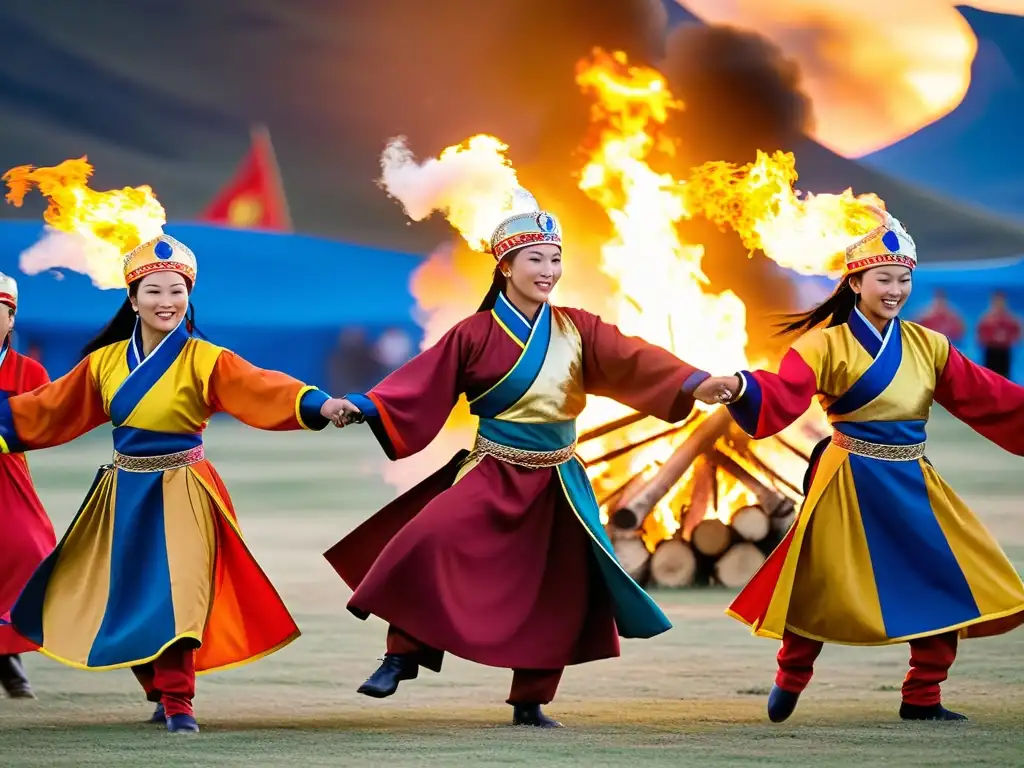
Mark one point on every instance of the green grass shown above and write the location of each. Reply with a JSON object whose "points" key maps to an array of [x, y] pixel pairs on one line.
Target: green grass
{"points": [[694, 696]]}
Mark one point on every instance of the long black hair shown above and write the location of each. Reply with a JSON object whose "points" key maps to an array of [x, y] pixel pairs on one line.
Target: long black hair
{"points": [[122, 324], [836, 310], [498, 284]]}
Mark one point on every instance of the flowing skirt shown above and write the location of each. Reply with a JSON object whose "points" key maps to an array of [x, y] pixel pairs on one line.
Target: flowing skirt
{"points": [[152, 558], [26, 540], [882, 552]]}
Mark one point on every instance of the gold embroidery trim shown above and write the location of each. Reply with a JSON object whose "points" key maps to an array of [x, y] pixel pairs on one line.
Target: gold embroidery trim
{"points": [[162, 463], [519, 457], [878, 450]]}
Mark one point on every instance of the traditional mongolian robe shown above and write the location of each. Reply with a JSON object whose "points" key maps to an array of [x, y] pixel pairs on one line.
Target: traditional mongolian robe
{"points": [[155, 554], [883, 551], [500, 557], [26, 534]]}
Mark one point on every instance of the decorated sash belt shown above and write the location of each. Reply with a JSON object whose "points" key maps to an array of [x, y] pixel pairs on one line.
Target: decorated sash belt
{"points": [[162, 463], [878, 450], [531, 459]]}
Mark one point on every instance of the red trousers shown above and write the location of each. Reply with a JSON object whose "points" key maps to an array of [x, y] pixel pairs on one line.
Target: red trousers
{"points": [[171, 678], [930, 660], [529, 686]]}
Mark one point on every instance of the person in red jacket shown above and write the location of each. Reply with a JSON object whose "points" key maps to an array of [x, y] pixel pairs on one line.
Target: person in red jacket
{"points": [[998, 332], [28, 535], [942, 318]]}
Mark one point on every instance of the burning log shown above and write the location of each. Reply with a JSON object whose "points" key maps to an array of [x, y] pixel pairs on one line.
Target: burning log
{"points": [[673, 564], [751, 524], [701, 497], [633, 513], [767, 498], [735, 568], [711, 537], [633, 557]]}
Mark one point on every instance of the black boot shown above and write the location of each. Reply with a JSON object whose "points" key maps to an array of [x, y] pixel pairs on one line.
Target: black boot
{"points": [[530, 714], [934, 712], [13, 678], [395, 668], [781, 704]]}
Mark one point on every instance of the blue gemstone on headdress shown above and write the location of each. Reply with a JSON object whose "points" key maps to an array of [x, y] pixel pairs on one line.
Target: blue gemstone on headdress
{"points": [[545, 222], [891, 241], [163, 250]]}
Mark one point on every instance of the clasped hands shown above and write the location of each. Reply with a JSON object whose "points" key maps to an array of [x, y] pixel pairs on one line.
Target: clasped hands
{"points": [[717, 390], [340, 412]]}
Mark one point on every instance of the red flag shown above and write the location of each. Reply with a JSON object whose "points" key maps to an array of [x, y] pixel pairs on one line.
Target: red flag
{"points": [[254, 198]]}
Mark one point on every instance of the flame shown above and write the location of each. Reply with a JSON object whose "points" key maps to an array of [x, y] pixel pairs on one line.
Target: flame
{"points": [[88, 231], [806, 234], [660, 290]]}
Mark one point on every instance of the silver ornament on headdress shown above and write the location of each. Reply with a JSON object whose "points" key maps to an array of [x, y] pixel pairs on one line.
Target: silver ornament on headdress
{"points": [[523, 202]]}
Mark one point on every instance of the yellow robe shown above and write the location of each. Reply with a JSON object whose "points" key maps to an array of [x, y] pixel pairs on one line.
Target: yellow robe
{"points": [[883, 550], [155, 554]]}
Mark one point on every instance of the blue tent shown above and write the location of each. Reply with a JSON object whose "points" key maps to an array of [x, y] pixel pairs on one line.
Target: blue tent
{"points": [[278, 300]]}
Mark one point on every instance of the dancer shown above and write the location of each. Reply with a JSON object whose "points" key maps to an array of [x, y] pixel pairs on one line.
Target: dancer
{"points": [[153, 573], [500, 557], [28, 535], [883, 551]]}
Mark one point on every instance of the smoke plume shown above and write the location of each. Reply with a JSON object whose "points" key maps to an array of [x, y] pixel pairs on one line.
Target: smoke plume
{"points": [[741, 95], [71, 250]]}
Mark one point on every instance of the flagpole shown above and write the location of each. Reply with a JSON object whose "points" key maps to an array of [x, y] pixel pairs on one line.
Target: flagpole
{"points": [[260, 132]]}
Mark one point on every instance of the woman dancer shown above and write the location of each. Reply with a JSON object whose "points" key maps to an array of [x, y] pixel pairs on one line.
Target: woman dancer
{"points": [[500, 557], [28, 535], [883, 551], [153, 573]]}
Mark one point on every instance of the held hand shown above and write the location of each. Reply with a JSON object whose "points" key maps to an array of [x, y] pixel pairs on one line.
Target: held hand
{"points": [[717, 389], [341, 412]]}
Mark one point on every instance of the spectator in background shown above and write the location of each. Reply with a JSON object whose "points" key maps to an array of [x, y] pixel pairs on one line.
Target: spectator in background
{"points": [[942, 318], [393, 349], [352, 367], [998, 332]]}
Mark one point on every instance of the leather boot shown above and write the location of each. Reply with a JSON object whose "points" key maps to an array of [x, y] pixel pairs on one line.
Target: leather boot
{"points": [[395, 668], [13, 678], [531, 714], [934, 712], [781, 704]]}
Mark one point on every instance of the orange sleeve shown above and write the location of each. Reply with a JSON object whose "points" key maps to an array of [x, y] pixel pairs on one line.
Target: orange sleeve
{"points": [[264, 399], [53, 413]]}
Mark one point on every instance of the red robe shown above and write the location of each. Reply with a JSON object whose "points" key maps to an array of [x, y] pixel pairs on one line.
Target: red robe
{"points": [[28, 535], [496, 568]]}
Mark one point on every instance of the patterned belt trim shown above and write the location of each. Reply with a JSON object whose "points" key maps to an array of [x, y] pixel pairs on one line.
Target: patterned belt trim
{"points": [[531, 459], [162, 463], [878, 450]]}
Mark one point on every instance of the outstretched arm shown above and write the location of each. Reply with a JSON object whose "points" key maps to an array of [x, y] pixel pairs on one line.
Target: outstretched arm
{"points": [[53, 413], [410, 406], [989, 404], [767, 403], [645, 377], [267, 399]]}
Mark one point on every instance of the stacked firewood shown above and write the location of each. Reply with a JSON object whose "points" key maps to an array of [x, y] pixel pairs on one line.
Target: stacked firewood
{"points": [[711, 546]]}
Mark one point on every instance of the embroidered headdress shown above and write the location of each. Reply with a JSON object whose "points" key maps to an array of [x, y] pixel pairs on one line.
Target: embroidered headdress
{"points": [[528, 225], [8, 291], [888, 244], [161, 254]]}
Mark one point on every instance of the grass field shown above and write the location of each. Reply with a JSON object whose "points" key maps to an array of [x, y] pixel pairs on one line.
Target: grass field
{"points": [[694, 696]]}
